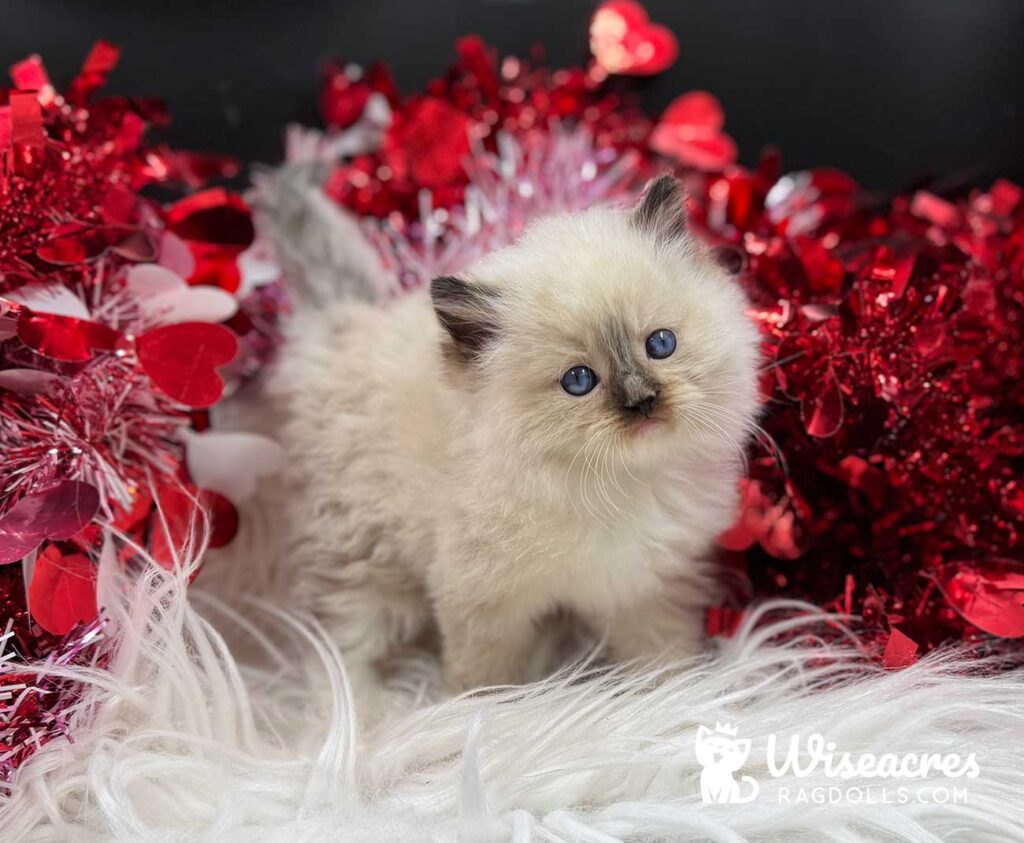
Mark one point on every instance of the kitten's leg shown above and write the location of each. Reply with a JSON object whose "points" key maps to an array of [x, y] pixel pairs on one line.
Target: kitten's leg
{"points": [[656, 630], [485, 644]]}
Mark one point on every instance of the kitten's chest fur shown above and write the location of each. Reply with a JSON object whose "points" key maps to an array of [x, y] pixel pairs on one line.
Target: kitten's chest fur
{"points": [[600, 548]]}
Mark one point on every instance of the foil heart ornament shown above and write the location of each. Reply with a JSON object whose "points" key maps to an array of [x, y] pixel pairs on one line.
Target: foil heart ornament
{"points": [[164, 297], [179, 518], [50, 297], [56, 513], [62, 593], [690, 131], [65, 338], [28, 381], [182, 360], [624, 41], [217, 227], [762, 520], [82, 244], [992, 600]]}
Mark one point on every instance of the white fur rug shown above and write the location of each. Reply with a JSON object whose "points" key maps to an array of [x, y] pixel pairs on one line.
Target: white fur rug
{"points": [[184, 740]]}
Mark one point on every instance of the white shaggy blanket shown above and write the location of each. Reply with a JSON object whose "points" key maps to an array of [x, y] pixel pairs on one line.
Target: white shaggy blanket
{"points": [[183, 739]]}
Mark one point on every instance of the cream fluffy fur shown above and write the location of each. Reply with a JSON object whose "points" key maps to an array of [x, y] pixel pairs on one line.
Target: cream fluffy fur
{"points": [[464, 485]]}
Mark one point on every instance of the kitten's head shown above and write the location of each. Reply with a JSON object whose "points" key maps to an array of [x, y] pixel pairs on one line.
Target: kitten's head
{"points": [[607, 331]]}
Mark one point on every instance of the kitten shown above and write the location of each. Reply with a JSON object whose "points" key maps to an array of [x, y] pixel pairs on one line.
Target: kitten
{"points": [[560, 427]]}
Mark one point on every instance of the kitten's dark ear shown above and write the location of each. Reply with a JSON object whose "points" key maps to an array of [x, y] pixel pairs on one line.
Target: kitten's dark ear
{"points": [[661, 211], [467, 311]]}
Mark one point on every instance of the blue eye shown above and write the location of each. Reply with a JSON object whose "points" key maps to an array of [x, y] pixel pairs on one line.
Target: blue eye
{"points": [[661, 344], [579, 380]]}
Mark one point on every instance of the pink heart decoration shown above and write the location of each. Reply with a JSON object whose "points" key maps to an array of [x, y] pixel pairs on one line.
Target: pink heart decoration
{"points": [[56, 513], [690, 131], [182, 360], [165, 298], [624, 41]]}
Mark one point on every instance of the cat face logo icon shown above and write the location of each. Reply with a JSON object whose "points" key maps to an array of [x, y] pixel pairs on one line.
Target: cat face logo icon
{"points": [[721, 755]]}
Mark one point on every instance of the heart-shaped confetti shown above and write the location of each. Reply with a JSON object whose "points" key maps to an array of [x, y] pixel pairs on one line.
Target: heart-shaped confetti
{"points": [[624, 41], [51, 297], [165, 298], [82, 244], [179, 516], [182, 360], [28, 381], [64, 337], [63, 590], [217, 227], [690, 131], [56, 513], [991, 600]]}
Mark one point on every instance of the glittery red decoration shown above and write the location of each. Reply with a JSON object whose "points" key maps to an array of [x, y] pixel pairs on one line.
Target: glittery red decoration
{"points": [[624, 40], [478, 98], [690, 131], [92, 387]]}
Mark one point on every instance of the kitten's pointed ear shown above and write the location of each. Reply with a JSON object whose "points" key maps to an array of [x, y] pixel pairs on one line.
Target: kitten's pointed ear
{"points": [[661, 211], [467, 311]]}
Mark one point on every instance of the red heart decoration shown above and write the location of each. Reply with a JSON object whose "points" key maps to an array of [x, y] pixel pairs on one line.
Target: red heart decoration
{"points": [[992, 600], [690, 131], [81, 244], [182, 360], [65, 337], [177, 503], [56, 513], [624, 41], [760, 519], [63, 591], [217, 226]]}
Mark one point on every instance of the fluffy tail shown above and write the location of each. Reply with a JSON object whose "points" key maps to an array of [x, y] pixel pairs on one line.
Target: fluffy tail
{"points": [[324, 254]]}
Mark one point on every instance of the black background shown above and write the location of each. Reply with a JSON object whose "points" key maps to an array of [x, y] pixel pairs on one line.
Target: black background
{"points": [[893, 91]]}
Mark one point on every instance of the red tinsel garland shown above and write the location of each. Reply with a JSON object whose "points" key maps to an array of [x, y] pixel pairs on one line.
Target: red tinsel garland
{"points": [[109, 352]]}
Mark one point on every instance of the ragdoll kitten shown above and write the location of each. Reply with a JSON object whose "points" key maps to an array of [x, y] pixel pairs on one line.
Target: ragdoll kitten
{"points": [[561, 426]]}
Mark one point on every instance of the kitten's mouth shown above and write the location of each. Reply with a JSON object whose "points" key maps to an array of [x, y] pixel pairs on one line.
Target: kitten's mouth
{"points": [[647, 426]]}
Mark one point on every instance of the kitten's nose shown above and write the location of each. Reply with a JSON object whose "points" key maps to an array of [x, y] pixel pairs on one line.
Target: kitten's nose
{"points": [[644, 405]]}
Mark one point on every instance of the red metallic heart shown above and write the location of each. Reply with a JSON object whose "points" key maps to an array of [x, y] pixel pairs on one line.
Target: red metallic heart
{"points": [[992, 600], [182, 360], [64, 337], [56, 513], [80, 244], [690, 131], [217, 226], [173, 525], [63, 591], [624, 41]]}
